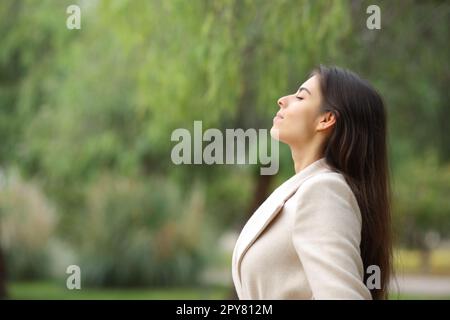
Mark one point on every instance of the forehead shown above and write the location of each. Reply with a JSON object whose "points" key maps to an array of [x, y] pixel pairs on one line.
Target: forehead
{"points": [[312, 84]]}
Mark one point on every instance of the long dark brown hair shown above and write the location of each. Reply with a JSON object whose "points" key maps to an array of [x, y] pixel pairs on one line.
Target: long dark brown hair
{"points": [[357, 148]]}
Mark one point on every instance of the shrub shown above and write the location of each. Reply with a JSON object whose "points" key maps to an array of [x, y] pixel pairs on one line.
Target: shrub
{"points": [[141, 233], [27, 221]]}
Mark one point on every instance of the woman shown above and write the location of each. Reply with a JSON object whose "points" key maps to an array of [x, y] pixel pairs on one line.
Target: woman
{"points": [[324, 233]]}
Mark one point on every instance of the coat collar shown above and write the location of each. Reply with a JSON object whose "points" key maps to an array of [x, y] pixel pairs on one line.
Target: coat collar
{"points": [[267, 211]]}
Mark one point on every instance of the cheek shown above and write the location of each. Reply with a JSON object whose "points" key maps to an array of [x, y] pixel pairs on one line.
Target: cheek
{"points": [[300, 125], [300, 119]]}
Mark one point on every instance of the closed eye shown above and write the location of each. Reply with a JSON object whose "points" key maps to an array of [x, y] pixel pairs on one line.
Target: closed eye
{"points": [[299, 98]]}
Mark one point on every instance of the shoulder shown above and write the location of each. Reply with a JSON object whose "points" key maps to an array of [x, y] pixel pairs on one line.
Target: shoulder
{"points": [[328, 181], [330, 191]]}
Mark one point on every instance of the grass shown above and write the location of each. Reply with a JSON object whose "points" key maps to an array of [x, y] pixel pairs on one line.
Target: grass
{"points": [[51, 290]]}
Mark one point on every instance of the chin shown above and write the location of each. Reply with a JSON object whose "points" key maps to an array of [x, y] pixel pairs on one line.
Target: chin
{"points": [[275, 133]]}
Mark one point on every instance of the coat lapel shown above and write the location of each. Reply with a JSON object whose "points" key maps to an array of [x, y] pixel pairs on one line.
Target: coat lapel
{"points": [[266, 213]]}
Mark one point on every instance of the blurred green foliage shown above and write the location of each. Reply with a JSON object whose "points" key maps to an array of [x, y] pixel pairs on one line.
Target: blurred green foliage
{"points": [[86, 117], [138, 232]]}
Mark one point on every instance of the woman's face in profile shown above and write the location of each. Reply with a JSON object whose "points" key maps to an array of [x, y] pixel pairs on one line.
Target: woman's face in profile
{"points": [[296, 121]]}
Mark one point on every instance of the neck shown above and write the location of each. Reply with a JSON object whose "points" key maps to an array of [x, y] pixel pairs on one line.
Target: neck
{"points": [[303, 158]]}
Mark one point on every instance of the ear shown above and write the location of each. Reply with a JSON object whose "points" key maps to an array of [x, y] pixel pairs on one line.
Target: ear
{"points": [[326, 121]]}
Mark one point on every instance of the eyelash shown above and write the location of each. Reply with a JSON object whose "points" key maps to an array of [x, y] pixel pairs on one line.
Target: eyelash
{"points": [[299, 98]]}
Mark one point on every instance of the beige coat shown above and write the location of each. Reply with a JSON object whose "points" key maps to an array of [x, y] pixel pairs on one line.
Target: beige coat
{"points": [[303, 241]]}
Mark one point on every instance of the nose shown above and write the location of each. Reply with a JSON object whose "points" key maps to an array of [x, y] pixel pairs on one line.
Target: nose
{"points": [[281, 102]]}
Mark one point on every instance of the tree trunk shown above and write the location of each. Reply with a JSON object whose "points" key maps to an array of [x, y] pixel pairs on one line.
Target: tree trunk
{"points": [[261, 192], [3, 293]]}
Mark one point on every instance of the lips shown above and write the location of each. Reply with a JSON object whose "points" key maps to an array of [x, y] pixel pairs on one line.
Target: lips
{"points": [[278, 117]]}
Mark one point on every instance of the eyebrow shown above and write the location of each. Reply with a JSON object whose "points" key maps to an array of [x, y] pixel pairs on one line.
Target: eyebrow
{"points": [[303, 88]]}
